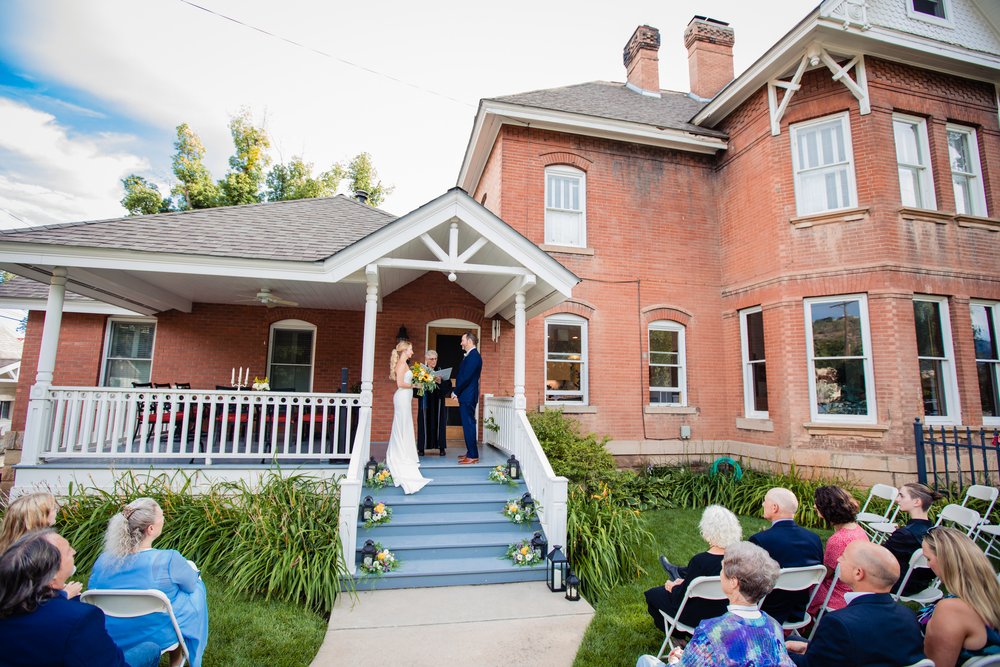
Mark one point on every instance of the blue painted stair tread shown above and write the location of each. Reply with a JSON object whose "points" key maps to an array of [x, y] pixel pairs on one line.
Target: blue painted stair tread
{"points": [[451, 533]]}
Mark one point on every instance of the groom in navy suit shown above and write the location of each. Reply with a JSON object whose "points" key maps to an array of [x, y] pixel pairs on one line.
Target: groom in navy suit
{"points": [[467, 392]]}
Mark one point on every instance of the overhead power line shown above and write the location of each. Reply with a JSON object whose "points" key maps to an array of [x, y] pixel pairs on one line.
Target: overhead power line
{"points": [[19, 219], [349, 63]]}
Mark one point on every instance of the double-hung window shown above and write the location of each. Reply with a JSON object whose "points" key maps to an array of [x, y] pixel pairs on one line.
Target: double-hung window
{"points": [[931, 11], [565, 206], [966, 171], [938, 385], [128, 352], [291, 352], [916, 186], [754, 365], [565, 359], [985, 328], [841, 384], [823, 162], [667, 373]]}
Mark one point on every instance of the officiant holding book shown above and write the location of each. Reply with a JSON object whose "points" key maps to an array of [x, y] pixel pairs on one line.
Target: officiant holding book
{"points": [[432, 414]]}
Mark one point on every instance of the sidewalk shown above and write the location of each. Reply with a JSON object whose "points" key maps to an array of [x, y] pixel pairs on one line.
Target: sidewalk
{"points": [[505, 624]]}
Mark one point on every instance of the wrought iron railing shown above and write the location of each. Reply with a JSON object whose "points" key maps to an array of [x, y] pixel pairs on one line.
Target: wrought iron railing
{"points": [[952, 455]]}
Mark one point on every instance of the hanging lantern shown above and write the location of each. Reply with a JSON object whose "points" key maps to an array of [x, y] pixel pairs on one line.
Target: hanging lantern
{"points": [[513, 468], [368, 553], [370, 469], [572, 587], [557, 569], [367, 509], [527, 504], [401, 335], [540, 545]]}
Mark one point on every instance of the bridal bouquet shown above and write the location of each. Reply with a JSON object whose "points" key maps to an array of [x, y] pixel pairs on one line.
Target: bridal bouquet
{"points": [[423, 379], [383, 562], [522, 554], [381, 514]]}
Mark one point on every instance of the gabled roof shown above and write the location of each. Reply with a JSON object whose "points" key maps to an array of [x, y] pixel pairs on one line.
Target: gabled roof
{"points": [[300, 230]]}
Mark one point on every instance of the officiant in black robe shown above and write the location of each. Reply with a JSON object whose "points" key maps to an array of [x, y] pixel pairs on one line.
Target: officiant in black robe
{"points": [[432, 414]]}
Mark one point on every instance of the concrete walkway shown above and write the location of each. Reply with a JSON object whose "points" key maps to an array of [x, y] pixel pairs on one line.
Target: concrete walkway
{"points": [[503, 624]]}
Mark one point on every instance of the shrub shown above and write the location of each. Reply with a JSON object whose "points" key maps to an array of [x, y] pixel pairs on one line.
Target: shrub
{"points": [[571, 454]]}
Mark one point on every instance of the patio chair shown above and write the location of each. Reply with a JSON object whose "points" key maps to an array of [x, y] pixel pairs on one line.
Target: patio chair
{"points": [[800, 579], [163, 414], [881, 492], [963, 517], [930, 594], [228, 412], [136, 603], [826, 601], [706, 588], [182, 385]]}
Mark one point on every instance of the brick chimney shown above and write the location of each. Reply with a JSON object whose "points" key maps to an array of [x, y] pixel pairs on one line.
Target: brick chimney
{"points": [[710, 55], [642, 62]]}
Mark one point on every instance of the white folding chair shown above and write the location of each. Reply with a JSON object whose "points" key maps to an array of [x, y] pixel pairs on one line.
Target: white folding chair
{"points": [[882, 492], [706, 588], [800, 579], [987, 494], [982, 661], [961, 516], [136, 603], [930, 594], [823, 609]]}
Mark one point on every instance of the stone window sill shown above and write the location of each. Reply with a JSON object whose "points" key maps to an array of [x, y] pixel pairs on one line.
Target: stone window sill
{"points": [[569, 409], [567, 249], [925, 215], [992, 224], [841, 215], [754, 424], [670, 410], [847, 430]]}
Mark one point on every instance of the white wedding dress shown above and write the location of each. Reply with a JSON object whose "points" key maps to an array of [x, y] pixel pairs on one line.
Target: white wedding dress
{"points": [[401, 456]]}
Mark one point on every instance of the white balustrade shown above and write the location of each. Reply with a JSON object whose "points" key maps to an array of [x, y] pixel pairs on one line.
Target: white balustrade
{"points": [[171, 424], [518, 438]]}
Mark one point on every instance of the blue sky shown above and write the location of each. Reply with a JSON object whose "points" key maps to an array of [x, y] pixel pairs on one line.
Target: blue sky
{"points": [[92, 91]]}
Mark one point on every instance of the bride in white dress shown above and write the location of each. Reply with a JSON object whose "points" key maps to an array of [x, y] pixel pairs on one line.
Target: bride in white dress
{"points": [[401, 456]]}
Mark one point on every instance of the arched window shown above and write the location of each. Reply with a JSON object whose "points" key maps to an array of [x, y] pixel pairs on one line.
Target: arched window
{"points": [[565, 206], [291, 350], [667, 363], [566, 359]]}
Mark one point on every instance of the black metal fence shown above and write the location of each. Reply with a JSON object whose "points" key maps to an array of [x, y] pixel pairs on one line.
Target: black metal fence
{"points": [[956, 456]]}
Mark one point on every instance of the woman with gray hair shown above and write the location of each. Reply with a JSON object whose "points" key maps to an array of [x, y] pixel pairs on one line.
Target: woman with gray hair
{"points": [[744, 635], [129, 561], [720, 528]]}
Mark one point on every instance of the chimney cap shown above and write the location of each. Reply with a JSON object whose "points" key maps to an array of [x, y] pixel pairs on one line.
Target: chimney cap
{"points": [[708, 30], [361, 196], [645, 37], [707, 19]]}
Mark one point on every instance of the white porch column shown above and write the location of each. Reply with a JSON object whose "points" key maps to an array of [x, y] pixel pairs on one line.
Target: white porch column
{"points": [[520, 403], [39, 417], [368, 347]]}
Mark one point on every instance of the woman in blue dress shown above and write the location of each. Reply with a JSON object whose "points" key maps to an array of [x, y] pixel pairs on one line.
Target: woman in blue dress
{"points": [[129, 561]]}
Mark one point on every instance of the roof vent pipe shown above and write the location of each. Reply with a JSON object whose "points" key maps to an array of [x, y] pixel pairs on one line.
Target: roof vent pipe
{"points": [[361, 196]]}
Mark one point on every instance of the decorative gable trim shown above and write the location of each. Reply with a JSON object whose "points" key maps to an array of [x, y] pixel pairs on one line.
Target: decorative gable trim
{"points": [[815, 55]]}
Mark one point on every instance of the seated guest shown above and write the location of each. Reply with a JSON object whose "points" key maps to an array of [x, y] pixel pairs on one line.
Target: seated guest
{"points": [[965, 623], [720, 528], [872, 629], [39, 627], [32, 511], [129, 561], [914, 499], [839, 509], [792, 546]]}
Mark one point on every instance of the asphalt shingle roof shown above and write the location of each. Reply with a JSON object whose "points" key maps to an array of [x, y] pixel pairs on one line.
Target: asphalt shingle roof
{"points": [[17, 287], [606, 99], [300, 230]]}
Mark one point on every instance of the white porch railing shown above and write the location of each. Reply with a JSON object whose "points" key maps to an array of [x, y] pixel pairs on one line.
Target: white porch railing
{"points": [[518, 438], [350, 490], [169, 424]]}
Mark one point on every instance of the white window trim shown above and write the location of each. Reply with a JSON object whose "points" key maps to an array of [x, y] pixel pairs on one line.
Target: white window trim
{"points": [[669, 325], [979, 193], [926, 172], [815, 416], [950, 381], [748, 410], [566, 170], [582, 322], [995, 305], [852, 186], [947, 21], [292, 325], [107, 344]]}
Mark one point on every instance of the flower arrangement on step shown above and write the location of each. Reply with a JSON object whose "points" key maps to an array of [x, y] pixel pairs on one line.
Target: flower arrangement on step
{"points": [[521, 554], [381, 514], [499, 474], [518, 512], [260, 385], [381, 479], [423, 379], [383, 561]]}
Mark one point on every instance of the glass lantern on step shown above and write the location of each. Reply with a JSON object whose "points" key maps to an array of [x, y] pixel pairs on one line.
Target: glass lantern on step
{"points": [[527, 504], [370, 469], [368, 553], [367, 508], [572, 587], [513, 468], [540, 545], [558, 567]]}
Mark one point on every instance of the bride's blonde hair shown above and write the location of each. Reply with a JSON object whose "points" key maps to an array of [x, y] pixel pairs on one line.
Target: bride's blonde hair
{"points": [[394, 359]]}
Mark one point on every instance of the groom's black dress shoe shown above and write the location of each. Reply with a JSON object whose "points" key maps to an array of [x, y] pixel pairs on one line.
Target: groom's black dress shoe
{"points": [[442, 452]]}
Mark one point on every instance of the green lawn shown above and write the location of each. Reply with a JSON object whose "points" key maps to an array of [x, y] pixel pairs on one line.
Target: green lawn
{"points": [[622, 630]]}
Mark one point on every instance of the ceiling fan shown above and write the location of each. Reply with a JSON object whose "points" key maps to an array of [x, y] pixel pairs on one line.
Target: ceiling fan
{"points": [[267, 298]]}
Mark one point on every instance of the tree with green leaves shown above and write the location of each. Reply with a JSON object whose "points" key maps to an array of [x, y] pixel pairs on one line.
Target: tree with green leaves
{"points": [[143, 198], [243, 183], [363, 175], [295, 181], [195, 188]]}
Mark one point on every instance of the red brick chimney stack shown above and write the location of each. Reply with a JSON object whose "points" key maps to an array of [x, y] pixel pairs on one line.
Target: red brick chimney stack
{"points": [[710, 55], [642, 62]]}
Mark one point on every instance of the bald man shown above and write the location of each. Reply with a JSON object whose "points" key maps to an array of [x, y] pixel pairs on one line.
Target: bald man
{"points": [[872, 629], [792, 546]]}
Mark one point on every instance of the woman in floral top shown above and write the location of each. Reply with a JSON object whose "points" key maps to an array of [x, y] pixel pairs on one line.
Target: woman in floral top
{"points": [[839, 509]]}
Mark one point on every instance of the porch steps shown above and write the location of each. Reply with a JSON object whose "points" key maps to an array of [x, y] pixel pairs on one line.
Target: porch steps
{"points": [[451, 533]]}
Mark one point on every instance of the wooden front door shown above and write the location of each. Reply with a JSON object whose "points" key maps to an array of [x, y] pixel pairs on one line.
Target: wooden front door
{"points": [[447, 342]]}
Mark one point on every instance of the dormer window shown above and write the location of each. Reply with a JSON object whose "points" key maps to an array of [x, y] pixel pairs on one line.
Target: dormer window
{"points": [[933, 11]]}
